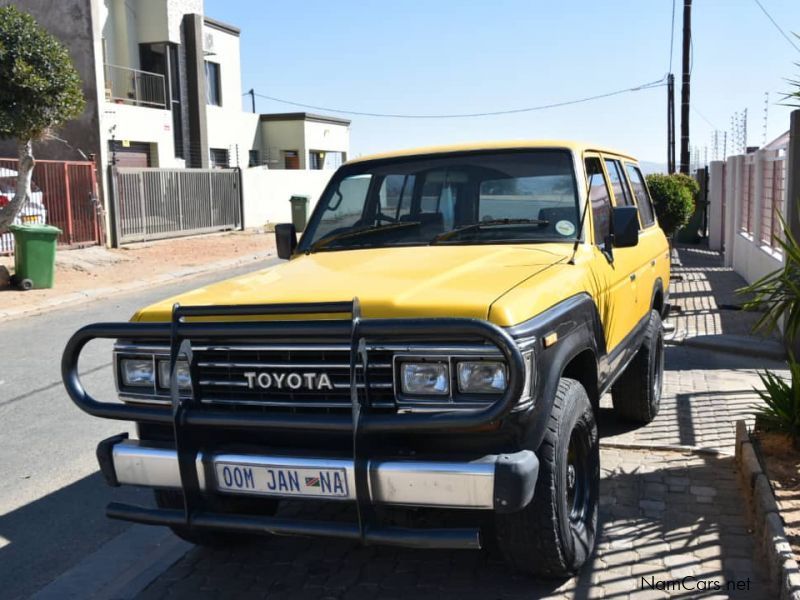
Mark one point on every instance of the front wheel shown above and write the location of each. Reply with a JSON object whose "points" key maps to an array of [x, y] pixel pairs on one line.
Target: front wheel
{"points": [[554, 535], [637, 393]]}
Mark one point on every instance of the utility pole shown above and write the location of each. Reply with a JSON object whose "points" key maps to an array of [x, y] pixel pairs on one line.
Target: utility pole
{"points": [[687, 41], [670, 123], [252, 99]]}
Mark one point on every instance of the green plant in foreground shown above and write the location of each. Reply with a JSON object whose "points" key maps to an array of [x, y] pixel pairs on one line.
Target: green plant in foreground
{"points": [[781, 412]]}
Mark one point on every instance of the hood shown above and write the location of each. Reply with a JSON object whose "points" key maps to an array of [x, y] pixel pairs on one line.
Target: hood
{"points": [[418, 281]]}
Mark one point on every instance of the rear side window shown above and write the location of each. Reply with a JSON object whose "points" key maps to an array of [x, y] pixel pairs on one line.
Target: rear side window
{"points": [[617, 179], [642, 197], [600, 199]]}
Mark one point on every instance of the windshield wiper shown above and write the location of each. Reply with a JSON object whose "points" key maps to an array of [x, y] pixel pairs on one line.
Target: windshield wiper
{"points": [[326, 241], [486, 224]]}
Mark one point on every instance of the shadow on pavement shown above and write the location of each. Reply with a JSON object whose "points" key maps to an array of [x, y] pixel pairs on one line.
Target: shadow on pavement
{"points": [[48, 536]]}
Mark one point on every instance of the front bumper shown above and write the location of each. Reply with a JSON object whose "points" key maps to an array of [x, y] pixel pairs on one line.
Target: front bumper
{"points": [[501, 482]]}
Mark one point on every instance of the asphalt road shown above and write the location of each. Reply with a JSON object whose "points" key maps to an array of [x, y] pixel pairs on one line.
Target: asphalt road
{"points": [[52, 496]]}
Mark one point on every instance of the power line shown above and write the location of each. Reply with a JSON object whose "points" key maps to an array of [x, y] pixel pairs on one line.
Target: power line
{"points": [[645, 86], [778, 27], [671, 37]]}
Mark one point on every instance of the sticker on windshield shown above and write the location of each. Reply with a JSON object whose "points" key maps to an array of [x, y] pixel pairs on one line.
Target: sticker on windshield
{"points": [[565, 228]]}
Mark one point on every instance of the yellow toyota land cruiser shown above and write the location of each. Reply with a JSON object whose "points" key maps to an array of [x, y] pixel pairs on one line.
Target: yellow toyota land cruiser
{"points": [[437, 340]]}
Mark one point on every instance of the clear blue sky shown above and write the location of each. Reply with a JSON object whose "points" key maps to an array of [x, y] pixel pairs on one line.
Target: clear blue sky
{"points": [[455, 56]]}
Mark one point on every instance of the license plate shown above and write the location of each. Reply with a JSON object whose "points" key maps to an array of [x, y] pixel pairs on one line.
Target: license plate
{"points": [[275, 480]]}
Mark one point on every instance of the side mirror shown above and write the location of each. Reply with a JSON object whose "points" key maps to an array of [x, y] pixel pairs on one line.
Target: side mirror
{"points": [[285, 240], [625, 225]]}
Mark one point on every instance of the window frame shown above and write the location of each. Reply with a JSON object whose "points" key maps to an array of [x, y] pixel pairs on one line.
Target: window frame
{"points": [[217, 80], [627, 195], [649, 198], [609, 194]]}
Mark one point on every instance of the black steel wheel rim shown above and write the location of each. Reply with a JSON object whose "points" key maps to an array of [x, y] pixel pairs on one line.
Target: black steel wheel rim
{"points": [[578, 476]]}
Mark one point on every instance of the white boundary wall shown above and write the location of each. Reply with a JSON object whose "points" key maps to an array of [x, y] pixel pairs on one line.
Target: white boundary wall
{"points": [[266, 193], [741, 213]]}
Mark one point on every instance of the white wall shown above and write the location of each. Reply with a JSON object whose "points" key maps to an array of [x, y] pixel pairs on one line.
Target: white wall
{"points": [[746, 253], [228, 125], [751, 260], [282, 135], [326, 136], [266, 193], [140, 124]]}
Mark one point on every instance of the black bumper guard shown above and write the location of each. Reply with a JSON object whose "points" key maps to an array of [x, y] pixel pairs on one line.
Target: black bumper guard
{"points": [[185, 416]]}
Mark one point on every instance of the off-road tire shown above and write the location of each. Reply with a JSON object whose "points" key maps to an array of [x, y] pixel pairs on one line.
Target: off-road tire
{"points": [[637, 392], [217, 539], [550, 537]]}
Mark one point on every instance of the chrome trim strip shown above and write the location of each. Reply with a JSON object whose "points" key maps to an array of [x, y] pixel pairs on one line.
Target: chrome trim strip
{"points": [[286, 365], [403, 482], [289, 404], [337, 386]]}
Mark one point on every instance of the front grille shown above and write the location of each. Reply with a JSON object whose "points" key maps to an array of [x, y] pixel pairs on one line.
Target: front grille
{"points": [[230, 375]]}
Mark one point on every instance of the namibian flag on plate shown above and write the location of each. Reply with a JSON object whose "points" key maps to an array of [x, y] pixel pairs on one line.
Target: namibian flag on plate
{"points": [[312, 482]]}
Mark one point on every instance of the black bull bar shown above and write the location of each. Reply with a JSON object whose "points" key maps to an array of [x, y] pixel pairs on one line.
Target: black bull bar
{"points": [[185, 416]]}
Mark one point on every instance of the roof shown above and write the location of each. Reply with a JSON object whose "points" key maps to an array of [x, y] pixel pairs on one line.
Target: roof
{"points": [[782, 141], [498, 145], [304, 116], [219, 25]]}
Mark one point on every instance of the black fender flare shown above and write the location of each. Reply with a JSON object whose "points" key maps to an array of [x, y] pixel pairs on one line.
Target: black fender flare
{"points": [[576, 321]]}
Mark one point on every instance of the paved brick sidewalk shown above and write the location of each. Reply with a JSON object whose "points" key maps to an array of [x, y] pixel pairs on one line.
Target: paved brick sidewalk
{"points": [[704, 392], [664, 514]]}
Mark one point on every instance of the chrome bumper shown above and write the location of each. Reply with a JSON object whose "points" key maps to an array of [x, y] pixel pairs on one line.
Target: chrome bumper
{"points": [[503, 482]]}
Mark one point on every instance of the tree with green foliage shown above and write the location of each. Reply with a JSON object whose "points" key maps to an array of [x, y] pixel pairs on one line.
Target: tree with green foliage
{"points": [[39, 90], [674, 199]]}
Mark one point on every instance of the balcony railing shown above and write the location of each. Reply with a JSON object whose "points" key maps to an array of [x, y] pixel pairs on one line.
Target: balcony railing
{"points": [[132, 86]]}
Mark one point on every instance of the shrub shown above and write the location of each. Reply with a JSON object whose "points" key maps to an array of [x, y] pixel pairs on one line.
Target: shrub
{"points": [[673, 197]]}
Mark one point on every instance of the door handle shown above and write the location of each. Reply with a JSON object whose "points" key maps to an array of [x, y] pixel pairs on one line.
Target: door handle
{"points": [[653, 263], [633, 276]]}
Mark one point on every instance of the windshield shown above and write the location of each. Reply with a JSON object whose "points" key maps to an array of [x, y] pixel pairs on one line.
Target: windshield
{"points": [[476, 198]]}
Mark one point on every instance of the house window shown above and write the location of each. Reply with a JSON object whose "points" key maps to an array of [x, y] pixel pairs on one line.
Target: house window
{"points": [[321, 159], [253, 159], [213, 89], [219, 158]]}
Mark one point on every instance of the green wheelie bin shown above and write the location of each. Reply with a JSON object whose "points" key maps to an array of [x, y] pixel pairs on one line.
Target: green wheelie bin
{"points": [[34, 255], [299, 211]]}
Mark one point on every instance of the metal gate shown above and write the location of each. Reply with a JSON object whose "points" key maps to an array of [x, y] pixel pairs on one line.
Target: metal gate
{"points": [[152, 204], [67, 191]]}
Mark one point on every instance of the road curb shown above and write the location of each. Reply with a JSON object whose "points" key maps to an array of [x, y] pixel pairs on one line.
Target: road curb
{"points": [[107, 292], [121, 568], [783, 570]]}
